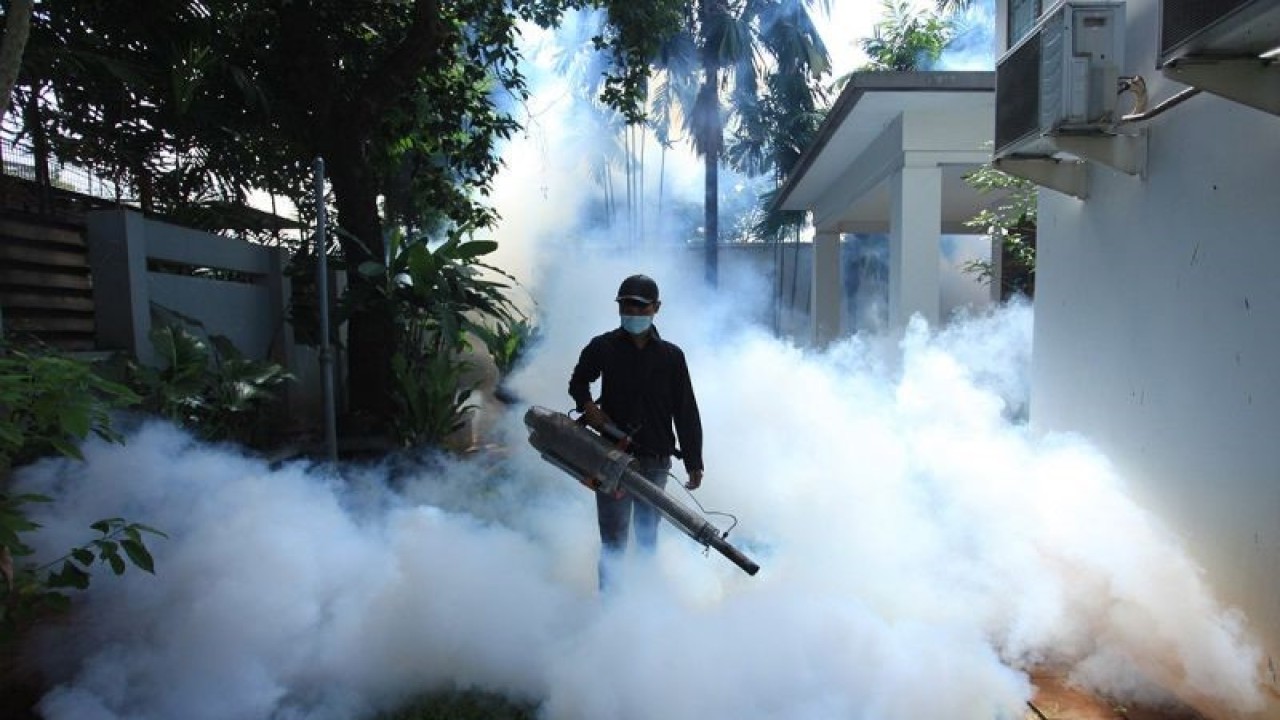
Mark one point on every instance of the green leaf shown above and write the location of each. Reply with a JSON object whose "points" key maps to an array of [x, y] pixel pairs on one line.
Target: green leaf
{"points": [[106, 525], [16, 523], [372, 269], [32, 498], [66, 448], [10, 435], [138, 554], [57, 603], [71, 576], [148, 529], [474, 249], [83, 556], [76, 420]]}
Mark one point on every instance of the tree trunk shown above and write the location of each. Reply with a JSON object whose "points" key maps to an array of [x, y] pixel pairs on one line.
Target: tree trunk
{"points": [[39, 148], [713, 138], [345, 111], [17, 27], [711, 167], [371, 330]]}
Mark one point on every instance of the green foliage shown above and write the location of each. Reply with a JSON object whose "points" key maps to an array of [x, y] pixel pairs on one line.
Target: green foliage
{"points": [[776, 101], [463, 705], [907, 38], [435, 296], [406, 101], [431, 399], [31, 593], [634, 33], [437, 299], [48, 403], [189, 102], [1012, 221], [745, 79], [952, 7], [507, 341], [207, 387]]}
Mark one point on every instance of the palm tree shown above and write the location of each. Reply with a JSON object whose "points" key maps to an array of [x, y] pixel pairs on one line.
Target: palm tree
{"points": [[749, 69], [756, 62], [906, 38]]}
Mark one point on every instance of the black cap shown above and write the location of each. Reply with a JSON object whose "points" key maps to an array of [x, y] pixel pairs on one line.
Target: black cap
{"points": [[640, 288]]}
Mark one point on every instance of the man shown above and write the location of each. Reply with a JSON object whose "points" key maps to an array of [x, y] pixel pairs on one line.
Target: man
{"points": [[645, 391]]}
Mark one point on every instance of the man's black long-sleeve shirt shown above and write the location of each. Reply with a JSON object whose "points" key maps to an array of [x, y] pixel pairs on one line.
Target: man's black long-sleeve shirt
{"points": [[644, 391]]}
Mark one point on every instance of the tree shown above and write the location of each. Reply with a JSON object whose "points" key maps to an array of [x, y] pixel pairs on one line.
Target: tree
{"points": [[1011, 221], [757, 65], [907, 39], [191, 99]]}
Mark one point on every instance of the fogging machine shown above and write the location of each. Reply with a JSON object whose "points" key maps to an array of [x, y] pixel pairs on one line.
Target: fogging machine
{"points": [[607, 468]]}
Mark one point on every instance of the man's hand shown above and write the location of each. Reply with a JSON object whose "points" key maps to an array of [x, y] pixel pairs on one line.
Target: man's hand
{"points": [[595, 416], [695, 480]]}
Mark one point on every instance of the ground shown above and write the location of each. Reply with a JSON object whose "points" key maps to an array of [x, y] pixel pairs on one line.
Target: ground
{"points": [[1055, 700]]}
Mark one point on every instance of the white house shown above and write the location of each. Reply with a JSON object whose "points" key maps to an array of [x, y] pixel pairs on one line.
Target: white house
{"points": [[890, 158], [1157, 311]]}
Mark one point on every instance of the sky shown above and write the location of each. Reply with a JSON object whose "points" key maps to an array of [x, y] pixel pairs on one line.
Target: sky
{"points": [[850, 20], [921, 551]]}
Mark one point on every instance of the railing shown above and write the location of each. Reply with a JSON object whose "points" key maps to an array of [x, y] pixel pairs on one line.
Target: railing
{"points": [[20, 161]]}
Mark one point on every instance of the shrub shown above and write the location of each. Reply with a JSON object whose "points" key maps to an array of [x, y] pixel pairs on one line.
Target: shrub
{"points": [[48, 405]]}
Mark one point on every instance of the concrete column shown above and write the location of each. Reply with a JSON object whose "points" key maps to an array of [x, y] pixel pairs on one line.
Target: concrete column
{"points": [[118, 266], [915, 229], [827, 285]]}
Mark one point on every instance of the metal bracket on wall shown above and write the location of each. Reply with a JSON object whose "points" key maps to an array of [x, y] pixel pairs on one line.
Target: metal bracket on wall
{"points": [[1126, 153], [1250, 81], [1066, 176]]}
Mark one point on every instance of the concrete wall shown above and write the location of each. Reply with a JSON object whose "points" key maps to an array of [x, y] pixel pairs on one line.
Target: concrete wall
{"points": [[128, 253], [788, 269], [1157, 329]]}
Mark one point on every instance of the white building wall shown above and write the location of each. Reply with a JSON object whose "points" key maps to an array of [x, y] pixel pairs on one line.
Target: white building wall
{"points": [[1157, 330]]}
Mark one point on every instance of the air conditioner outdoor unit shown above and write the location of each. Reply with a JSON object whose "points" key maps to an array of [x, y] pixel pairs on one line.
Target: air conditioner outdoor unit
{"points": [[1217, 28], [1061, 78]]}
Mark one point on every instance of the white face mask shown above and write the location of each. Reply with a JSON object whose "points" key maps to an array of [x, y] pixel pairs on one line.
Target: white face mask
{"points": [[637, 324]]}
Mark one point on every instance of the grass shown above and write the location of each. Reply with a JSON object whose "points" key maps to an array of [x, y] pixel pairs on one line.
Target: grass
{"points": [[463, 705]]}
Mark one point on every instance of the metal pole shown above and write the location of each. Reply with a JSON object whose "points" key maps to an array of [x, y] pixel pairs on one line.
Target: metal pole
{"points": [[322, 285]]}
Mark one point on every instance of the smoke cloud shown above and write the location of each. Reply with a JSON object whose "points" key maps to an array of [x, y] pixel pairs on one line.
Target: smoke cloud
{"points": [[974, 45], [910, 536], [922, 552]]}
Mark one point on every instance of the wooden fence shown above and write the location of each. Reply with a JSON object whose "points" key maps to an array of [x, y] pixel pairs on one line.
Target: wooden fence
{"points": [[46, 293], [97, 284]]}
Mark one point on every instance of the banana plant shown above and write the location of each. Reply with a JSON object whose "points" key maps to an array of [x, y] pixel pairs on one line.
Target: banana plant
{"points": [[439, 297]]}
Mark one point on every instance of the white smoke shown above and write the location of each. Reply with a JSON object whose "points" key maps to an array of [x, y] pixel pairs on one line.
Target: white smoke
{"points": [[974, 45], [922, 553], [909, 535]]}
